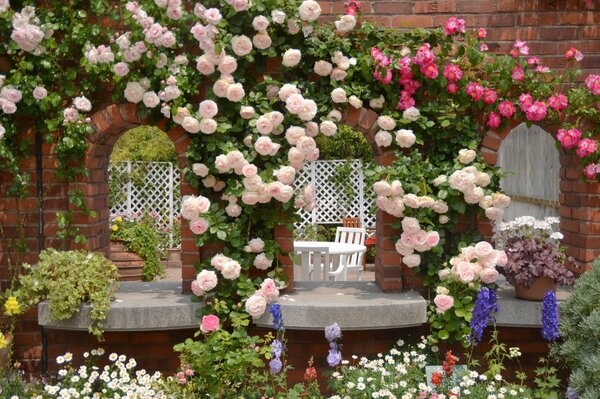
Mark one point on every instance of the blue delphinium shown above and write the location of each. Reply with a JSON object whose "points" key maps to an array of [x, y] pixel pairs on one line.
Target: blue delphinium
{"points": [[550, 317], [486, 306], [275, 365], [572, 393], [275, 310], [333, 332]]}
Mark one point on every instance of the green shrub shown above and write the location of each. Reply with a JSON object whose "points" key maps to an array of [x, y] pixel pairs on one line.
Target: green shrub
{"points": [[579, 328]]}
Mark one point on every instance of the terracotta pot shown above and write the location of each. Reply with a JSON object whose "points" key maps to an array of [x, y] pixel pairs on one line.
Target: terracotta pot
{"points": [[129, 263], [173, 255], [537, 290]]}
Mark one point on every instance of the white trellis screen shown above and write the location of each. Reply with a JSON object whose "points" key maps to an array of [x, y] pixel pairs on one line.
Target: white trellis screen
{"points": [[332, 203], [146, 187]]}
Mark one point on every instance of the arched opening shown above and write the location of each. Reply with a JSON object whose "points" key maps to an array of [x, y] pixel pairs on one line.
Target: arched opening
{"points": [[530, 155], [144, 200]]}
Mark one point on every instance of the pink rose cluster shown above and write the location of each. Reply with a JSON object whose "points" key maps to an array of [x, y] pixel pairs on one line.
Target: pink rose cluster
{"points": [[236, 162], [205, 281], [591, 170], [568, 138], [9, 97], [71, 114], [266, 294], [174, 10], [573, 53], [392, 199], [306, 199], [191, 209], [414, 238], [593, 84], [154, 32], [339, 71], [454, 26], [257, 191], [475, 263], [26, 32], [229, 268], [382, 63]]}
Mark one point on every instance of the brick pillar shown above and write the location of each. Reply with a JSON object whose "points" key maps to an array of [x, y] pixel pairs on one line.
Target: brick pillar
{"points": [[285, 239]]}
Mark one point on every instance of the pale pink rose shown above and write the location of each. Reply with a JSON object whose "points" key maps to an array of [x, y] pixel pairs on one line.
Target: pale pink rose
{"points": [[443, 302], [249, 170], [483, 179], [269, 290], [260, 23], [236, 159], [264, 125], [501, 259], [403, 249], [500, 200], [308, 111], [489, 275], [247, 112], [346, 23], [461, 181], [261, 262], [209, 323], [407, 239], [293, 26], [262, 40], [328, 128], [235, 92], [295, 103], [132, 55], [208, 125], [220, 87], [39, 93], [411, 261], [240, 5], [443, 274], [27, 36], [285, 193], [231, 270], [249, 197], [151, 99], [263, 146], [199, 226], [433, 238], [256, 305], [412, 114], [411, 201], [443, 219], [410, 224], [287, 90], [484, 250], [170, 93], [397, 189], [338, 74], [466, 156], [338, 95], [494, 213], [309, 10], [70, 114], [207, 280], [196, 289], [233, 210], [278, 16], [204, 65], [426, 202], [241, 45], [386, 123], [355, 102], [420, 237], [383, 138], [382, 188], [222, 164], [405, 138], [252, 183], [191, 124], [228, 65], [208, 109], [180, 115], [465, 272], [256, 245], [174, 13], [306, 145], [474, 196], [486, 202], [440, 207], [218, 261], [200, 169], [201, 204], [276, 118], [286, 174], [323, 68], [134, 92], [168, 39], [212, 16], [82, 104], [294, 155], [311, 129], [219, 185], [291, 58]]}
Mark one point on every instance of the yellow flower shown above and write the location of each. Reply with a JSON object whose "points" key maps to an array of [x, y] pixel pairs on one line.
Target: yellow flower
{"points": [[119, 219], [115, 227], [3, 341], [11, 306]]}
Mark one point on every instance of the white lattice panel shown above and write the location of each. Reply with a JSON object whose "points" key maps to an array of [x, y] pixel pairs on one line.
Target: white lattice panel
{"points": [[333, 204], [148, 187]]}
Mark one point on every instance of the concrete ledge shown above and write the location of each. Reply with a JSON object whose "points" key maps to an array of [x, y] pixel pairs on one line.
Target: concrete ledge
{"points": [[353, 305], [515, 312], [137, 307]]}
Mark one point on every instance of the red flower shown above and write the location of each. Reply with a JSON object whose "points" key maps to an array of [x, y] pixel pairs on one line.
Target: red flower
{"points": [[370, 241], [436, 378]]}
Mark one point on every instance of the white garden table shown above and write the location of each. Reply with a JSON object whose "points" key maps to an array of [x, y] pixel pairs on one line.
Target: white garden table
{"points": [[323, 257]]}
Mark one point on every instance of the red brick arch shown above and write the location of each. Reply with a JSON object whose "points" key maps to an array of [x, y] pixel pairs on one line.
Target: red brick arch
{"points": [[109, 124]]}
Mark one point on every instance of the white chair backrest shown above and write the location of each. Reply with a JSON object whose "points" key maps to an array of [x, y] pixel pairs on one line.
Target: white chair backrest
{"points": [[314, 264], [352, 235]]}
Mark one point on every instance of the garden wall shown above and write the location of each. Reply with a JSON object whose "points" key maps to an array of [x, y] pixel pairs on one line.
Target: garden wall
{"points": [[550, 27]]}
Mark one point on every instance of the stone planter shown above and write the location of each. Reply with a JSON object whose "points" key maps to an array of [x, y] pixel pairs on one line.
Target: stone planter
{"points": [[537, 290], [129, 263], [174, 258]]}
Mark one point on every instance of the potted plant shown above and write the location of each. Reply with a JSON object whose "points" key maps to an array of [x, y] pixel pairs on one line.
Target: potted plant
{"points": [[536, 261]]}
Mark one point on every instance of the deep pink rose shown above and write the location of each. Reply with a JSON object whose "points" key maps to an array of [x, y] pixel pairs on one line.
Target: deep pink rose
{"points": [[209, 323]]}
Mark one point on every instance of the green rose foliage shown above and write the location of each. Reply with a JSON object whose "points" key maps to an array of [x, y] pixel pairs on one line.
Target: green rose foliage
{"points": [[68, 279]]}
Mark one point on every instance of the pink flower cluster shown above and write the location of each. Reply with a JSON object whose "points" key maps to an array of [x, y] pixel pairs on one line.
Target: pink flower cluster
{"points": [[352, 7], [257, 303], [26, 32], [586, 147], [306, 200], [568, 138], [454, 26], [183, 375], [413, 239], [475, 263], [534, 110], [591, 170], [229, 268], [593, 83], [9, 97], [191, 209], [381, 62], [558, 102], [573, 53]]}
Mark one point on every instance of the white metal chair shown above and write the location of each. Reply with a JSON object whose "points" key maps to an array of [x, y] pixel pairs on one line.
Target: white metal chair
{"points": [[309, 258], [354, 262]]}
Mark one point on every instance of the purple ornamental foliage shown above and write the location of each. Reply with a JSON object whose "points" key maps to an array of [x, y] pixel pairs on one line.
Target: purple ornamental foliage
{"points": [[550, 317], [486, 306]]}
